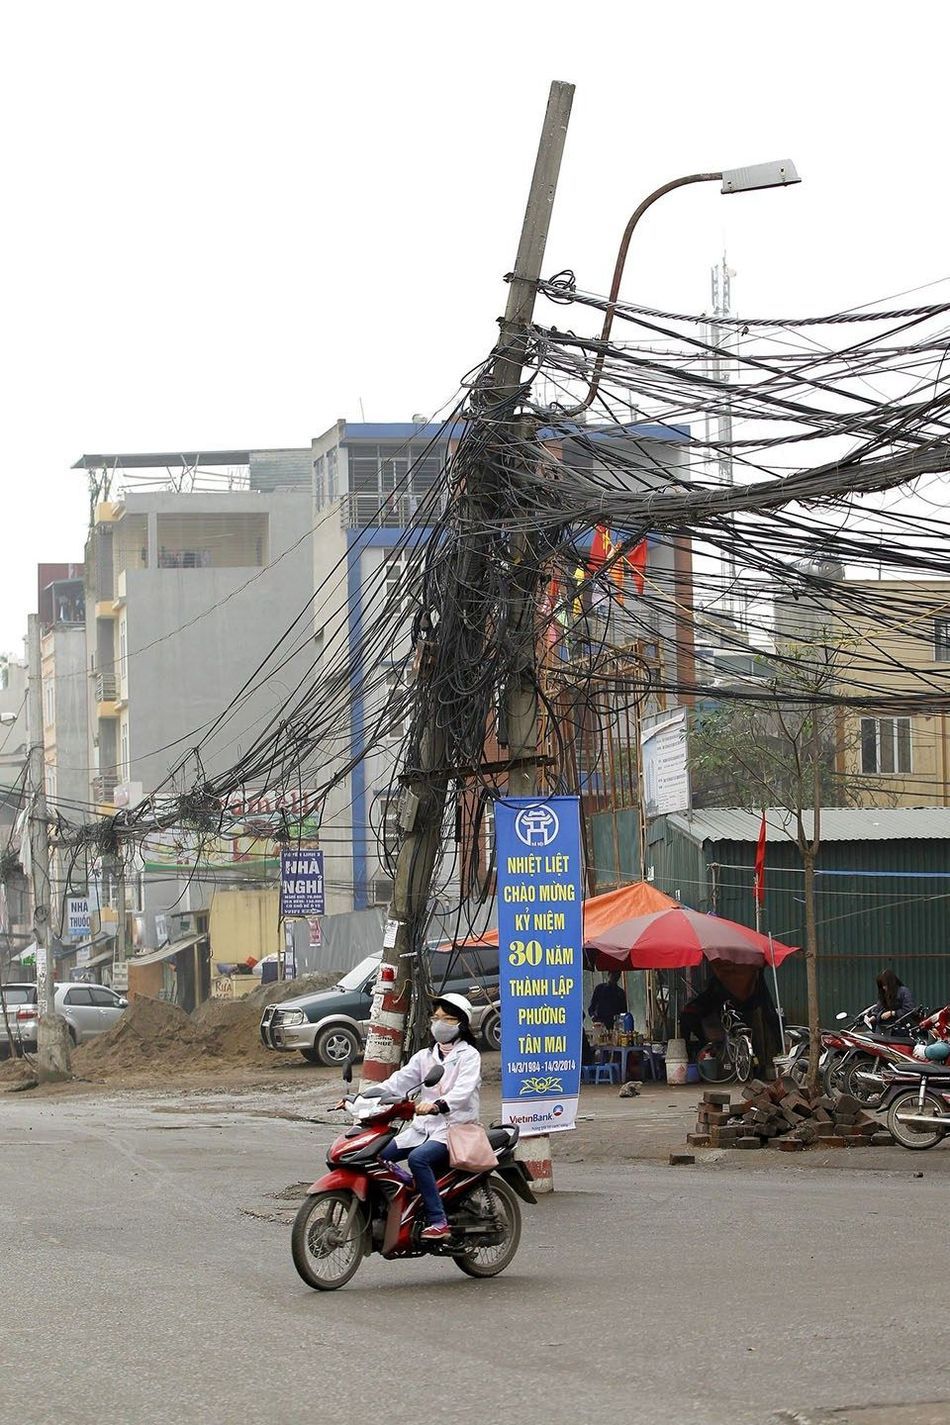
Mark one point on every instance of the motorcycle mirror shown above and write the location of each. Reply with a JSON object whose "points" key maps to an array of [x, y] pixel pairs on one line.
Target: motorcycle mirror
{"points": [[433, 1076], [842, 1015], [348, 1072]]}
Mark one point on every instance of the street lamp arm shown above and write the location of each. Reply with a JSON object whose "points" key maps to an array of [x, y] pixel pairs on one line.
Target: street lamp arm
{"points": [[618, 275]]}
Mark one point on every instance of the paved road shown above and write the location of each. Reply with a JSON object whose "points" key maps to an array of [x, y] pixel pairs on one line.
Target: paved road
{"points": [[147, 1250]]}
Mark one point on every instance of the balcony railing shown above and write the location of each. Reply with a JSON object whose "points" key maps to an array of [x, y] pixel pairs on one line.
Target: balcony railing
{"points": [[106, 688], [103, 787], [394, 511]]}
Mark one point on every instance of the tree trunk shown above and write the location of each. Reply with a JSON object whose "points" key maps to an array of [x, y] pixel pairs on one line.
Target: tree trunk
{"points": [[811, 969]]}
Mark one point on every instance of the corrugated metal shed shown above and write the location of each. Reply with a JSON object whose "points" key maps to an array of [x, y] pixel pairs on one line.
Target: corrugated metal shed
{"points": [[883, 895], [883, 890], [836, 824]]}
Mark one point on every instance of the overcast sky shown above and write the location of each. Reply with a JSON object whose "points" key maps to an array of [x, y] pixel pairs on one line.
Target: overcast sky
{"points": [[226, 224]]}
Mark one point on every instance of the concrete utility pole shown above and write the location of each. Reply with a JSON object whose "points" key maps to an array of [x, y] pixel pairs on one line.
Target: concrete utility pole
{"points": [[424, 797], [52, 1057]]}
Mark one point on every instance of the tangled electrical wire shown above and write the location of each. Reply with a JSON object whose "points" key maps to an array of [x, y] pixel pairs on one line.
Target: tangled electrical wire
{"points": [[725, 476]]}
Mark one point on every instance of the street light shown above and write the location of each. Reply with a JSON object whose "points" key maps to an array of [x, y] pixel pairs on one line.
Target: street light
{"points": [[780, 174], [7, 718]]}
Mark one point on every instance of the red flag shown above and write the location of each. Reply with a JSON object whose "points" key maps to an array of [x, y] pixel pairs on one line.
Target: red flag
{"points": [[600, 548], [758, 875], [637, 559]]}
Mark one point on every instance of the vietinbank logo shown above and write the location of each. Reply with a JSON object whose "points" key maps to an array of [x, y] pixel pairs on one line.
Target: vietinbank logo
{"points": [[557, 1110]]}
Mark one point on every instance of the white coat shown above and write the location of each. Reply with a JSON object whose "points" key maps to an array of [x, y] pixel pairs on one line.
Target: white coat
{"points": [[458, 1087]]}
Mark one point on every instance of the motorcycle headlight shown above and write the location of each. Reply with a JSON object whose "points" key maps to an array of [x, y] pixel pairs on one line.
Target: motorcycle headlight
{"points": [[292, 1016]]}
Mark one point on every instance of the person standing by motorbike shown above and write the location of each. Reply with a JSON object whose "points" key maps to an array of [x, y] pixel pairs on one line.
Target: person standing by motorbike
{"points": [[424, 1144], [894, 999]]}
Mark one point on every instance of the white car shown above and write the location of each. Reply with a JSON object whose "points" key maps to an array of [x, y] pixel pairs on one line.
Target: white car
{"points": [[87, 1009]]}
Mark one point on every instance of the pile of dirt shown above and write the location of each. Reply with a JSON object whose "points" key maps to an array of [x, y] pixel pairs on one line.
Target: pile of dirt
{"points": [[150, 1034], [155, 1036], [229, 1028]]}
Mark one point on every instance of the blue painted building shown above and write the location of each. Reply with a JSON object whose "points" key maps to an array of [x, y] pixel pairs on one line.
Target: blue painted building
{"points": [[368, 482]]}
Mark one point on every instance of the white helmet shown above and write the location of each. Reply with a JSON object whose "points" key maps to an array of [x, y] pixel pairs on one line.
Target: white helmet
{"points": [[457, 1004]]}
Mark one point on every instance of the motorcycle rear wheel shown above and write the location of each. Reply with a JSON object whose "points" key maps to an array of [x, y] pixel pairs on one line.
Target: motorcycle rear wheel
{"points": [[904, 1133], [326, 1251], [493, 1196]]}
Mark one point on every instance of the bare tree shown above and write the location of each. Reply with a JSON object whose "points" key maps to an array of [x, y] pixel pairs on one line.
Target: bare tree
{"points": [[782, 746]]}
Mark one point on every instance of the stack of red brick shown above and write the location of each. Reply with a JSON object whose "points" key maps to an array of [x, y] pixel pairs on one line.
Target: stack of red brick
{"points": [[782, 1115]]}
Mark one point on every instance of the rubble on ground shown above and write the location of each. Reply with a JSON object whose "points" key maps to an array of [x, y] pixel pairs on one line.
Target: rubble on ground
{"points": [[782, 1115]]}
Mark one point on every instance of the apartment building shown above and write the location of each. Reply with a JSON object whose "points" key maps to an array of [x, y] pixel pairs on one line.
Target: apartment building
{"points": [[188, 590], [15, 912], [61, 610], [369, 482], [901, 647]]}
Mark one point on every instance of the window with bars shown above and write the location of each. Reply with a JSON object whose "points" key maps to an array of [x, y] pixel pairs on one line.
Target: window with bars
{"points": [[942, 640], [320, 482], [397, 600], [393, 472], [396, 722], [886, 745], [332, 484]]}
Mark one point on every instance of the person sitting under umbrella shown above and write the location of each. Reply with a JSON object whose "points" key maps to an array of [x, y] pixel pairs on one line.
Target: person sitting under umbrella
{"points": [[608, 1000]]}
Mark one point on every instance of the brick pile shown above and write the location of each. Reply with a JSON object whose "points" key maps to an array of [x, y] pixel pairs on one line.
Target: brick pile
{"points": [[781, 1115]]}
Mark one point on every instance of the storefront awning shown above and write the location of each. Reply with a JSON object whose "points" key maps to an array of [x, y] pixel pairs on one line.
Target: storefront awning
{"points": [[101, 938], [167, 952], [105, 958]]}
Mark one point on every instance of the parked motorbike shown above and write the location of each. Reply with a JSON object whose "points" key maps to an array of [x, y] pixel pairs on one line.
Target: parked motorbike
{"points": [[730, 1057], [794, 1063], [916, 1100], [360, 1206], [870, 1051], [836, 1046]]}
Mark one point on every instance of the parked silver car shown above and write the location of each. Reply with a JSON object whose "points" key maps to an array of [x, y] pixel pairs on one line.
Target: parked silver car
{"points": [[330, 1026], [87, 1009]]}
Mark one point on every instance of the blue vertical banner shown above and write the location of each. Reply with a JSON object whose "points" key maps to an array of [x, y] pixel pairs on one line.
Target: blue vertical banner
{"points": [[541, 959]]}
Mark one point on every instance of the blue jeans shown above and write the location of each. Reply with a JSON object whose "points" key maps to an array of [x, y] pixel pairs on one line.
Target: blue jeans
{"points": [[425, 1163]]}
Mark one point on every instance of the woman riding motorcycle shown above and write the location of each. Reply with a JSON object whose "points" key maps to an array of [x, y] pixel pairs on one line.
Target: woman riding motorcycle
{"points": [[424, 1143]]}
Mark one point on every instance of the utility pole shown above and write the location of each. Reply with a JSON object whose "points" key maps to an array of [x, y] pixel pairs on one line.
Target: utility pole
{"points": [[52, 1057], [121, 944], [424, 796]]}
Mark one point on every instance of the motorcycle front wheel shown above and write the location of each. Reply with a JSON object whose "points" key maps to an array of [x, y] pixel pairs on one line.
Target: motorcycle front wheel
{"points": [[831, 1076], [493, 1200], [868, 1094], [328, 1240], [904, 1133]]}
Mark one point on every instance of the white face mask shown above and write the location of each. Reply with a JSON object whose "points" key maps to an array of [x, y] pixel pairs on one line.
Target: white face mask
{"points": [[443, 1030]]}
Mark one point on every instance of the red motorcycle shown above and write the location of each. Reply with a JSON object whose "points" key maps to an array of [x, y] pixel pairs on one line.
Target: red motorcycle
{"points": [[361, 1206]]}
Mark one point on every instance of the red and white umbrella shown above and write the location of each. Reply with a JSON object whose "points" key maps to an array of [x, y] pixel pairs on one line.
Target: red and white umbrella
{"points": [[676, 938]]}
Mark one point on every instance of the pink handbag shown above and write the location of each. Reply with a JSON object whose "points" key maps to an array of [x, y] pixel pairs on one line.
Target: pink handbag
{"points": [[470, 1149]]}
